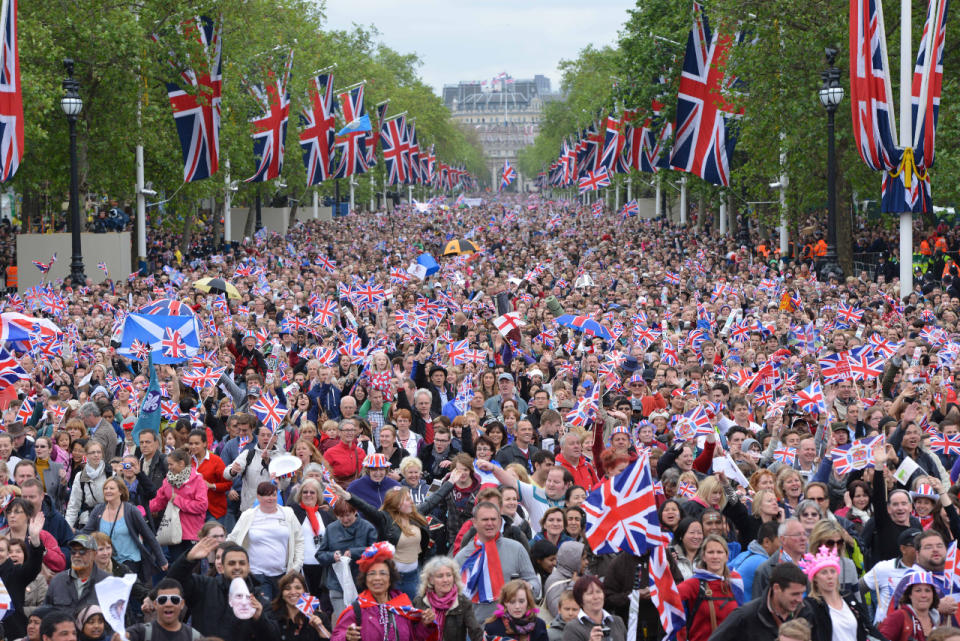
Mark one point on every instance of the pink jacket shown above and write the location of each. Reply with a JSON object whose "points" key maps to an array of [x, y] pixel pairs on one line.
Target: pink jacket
{"points": [[192, 501]]}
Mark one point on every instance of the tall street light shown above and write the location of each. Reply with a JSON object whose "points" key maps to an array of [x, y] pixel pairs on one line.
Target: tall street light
{"points": [[831, 94], [72, 104]]}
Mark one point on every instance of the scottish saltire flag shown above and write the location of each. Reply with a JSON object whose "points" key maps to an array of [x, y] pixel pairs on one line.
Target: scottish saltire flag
{"points": [[150, 408], [197, 114], [705, 136], [270, 129], [622, 512], [507, 176], [11, 98], [352, 146], [317, 129], [664, 595], [180, 333]]}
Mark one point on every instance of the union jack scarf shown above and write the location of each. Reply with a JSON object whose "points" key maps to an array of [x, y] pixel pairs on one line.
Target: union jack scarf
{"points": [[399, 605], [482, 572]]}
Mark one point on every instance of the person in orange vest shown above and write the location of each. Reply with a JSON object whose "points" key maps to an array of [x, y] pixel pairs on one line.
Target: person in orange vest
{"points": [[12, 277], [763, 250], [941, 244], [925, 248], [820, 249]]}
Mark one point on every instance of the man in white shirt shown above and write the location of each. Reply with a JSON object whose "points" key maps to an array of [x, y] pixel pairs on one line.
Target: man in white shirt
{"points": [[885, 575], [536, 500]]}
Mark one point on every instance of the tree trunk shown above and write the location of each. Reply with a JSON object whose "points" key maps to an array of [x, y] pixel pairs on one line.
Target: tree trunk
{"points": [[295, 205], [251, 218], [187, 234], [733, 223], [217, 226], [844, 240], [701, 212]]}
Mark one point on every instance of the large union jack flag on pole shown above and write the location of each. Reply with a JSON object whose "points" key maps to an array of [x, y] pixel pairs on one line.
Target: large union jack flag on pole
{"points": [[197, 114], [352, 145], [11, 98], [622, 512], [391, 138], [593, 181], [318, 122], [705, 137], [507, 176], [270, 129]]}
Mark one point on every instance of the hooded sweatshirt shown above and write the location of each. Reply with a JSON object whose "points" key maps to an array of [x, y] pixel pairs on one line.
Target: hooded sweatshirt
{"points": [[568, 563]]}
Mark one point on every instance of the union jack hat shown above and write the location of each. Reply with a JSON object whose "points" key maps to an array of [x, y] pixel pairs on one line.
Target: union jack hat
{"points": [[376, 461], [925, 491], [379, 551], [619, 429]]}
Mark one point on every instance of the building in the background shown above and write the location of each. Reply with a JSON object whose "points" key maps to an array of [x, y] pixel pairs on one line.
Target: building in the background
{"points": [[505, 112]]}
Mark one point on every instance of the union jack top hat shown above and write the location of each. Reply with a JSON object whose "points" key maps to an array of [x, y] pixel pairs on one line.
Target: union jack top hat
{"points": [[376, 461]]}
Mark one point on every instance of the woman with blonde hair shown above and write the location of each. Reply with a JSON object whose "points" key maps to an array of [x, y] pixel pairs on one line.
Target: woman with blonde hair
{"points": [[516, 615], [789, 487], [709, 495], [831, 614], [400, 522], [441, 590], [831, 534], [724, 589]]}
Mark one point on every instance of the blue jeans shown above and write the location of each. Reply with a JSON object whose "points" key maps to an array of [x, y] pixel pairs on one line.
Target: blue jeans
{"points": [[408, 582]]}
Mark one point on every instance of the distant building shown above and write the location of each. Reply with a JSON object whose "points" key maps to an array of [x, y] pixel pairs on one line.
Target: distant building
{"points": [[506, 114]]}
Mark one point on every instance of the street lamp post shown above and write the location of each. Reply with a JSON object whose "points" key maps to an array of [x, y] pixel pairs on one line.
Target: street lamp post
{"points": [[831, 94], [72, 104]]}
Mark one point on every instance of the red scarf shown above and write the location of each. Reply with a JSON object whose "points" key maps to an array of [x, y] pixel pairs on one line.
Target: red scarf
{"points": [[399, 604], [441, 605], [311, 511]]}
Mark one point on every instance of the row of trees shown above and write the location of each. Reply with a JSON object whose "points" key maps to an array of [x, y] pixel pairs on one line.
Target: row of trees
{"points": [[122, 74], [781, 68]]}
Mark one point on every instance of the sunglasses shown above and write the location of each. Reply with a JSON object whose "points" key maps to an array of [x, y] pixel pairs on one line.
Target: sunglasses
{"points": [[833, 543], [163, 599]]}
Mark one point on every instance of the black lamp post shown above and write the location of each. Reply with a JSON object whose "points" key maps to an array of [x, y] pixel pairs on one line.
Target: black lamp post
{"points": [[831, 94], [72, 104]]}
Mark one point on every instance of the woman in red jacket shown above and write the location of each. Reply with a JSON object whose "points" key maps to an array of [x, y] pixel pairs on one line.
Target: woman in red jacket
{"points": [[209, 466], [917, 615], [712, 593]]}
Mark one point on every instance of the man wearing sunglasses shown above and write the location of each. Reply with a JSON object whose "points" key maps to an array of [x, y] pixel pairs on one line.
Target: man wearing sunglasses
{"points": [[167, 601]]}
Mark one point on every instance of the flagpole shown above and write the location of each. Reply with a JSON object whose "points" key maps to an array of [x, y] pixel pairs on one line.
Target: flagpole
{"points": [[657, 206], [723, 215], [316, 204], [906, 140], [683, 200], [227, 198]]}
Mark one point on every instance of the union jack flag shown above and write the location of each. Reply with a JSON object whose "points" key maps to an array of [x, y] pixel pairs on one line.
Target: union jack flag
{"points": [[655, 134], [848, 315], [11, 98], [270, 411], [593, 180], [686, 489], [622, 512], [352, 145], [270, 129], [949, 444], [200, 378], [862, 364], [197, 114], [664, 594], [705, 137], [811, 399], [669, 356], [392, 139], [26, 410], [630, 208], [786, 455], [173, 345], [10, 370], [327, 264], [307, 604], [507, 176], [855, 456], [835, 368], [317, 133]]}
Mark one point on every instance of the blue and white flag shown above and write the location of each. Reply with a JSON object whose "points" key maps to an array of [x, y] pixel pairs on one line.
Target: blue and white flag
{"points": [[171, 339]]}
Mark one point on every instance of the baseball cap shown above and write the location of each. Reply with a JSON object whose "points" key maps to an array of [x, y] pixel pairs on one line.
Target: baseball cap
{"points": [[505, 377], [85, 541], [906, 537]]}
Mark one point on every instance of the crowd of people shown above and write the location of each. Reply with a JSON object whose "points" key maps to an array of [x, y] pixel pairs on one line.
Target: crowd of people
{"points": [[450, 436]]}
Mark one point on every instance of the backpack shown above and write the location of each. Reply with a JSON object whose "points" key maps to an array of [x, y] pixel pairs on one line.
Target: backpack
{"points": [[705, 595], [148, 632], [742, 558]]}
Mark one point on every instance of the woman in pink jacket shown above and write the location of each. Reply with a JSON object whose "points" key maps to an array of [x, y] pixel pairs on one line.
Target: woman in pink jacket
{"points": [[189, 493]]}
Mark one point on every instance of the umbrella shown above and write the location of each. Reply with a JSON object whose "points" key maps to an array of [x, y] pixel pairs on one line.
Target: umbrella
{"points": [[586, 325], [459, 246], [217, 285], [429, 264]]}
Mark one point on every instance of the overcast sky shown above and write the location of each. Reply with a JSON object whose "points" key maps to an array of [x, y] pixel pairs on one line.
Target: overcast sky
{"points": [[477, 39]]}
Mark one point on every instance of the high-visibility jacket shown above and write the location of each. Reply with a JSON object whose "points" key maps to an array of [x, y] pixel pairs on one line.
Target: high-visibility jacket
{"points": [[820, 249], [941, 244], [925, 248], [11, 276]]}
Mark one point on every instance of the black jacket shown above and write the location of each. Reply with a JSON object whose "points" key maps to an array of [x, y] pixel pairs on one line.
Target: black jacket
{"points": [[62, 594], [817, 613], [618, 582], [459, 622], [389, 530], [753, 620], [57, 526], [16, 578], [208, 597]]}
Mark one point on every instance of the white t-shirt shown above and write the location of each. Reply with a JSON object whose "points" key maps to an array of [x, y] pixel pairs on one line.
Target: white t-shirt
{"points": [[309, 548], [844, 624], [269, 537], [536, 502]]}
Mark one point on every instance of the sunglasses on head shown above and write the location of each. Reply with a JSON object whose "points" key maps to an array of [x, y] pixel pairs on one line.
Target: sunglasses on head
{"points": [[163, 599]]}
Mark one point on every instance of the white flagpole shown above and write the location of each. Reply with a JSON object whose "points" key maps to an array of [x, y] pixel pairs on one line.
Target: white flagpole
{"points": [[906, 140], [227, 198], [683, 200]]}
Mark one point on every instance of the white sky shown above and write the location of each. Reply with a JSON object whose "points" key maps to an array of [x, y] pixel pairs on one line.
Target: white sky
{"points": [[477, 39]]}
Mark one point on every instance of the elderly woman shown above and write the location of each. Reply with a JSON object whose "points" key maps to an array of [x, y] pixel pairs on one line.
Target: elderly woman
{"points": [[917, 615], [441, 591], [267, 529], [373, 486], [308, 506], [592, 621], [381, 611]]}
